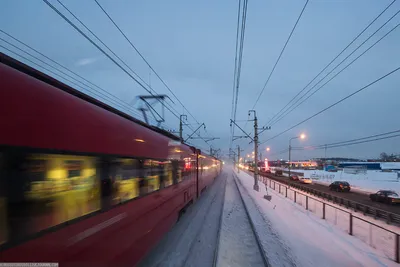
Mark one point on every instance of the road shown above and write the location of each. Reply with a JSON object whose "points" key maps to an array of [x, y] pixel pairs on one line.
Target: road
{"points": [[353, 196]]}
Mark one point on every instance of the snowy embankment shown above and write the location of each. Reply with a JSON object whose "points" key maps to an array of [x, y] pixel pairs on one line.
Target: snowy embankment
{"points": [[367, 183], [316, 242]]}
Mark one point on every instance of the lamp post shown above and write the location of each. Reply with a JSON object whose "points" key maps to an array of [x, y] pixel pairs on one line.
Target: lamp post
{"points": [[302, 136]]}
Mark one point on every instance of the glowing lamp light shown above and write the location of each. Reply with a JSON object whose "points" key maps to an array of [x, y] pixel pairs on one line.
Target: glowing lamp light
{"points": [[302, 136], [139, 140]]}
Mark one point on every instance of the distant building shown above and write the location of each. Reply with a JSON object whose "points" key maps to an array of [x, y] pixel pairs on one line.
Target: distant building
{"points": [[395, 166]]}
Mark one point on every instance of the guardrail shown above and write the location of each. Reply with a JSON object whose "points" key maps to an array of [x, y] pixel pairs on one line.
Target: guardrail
{"points": [[389, 217], [352, 224]]}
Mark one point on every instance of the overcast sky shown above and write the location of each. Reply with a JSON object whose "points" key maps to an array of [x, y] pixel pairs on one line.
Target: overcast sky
{"points": [[191, 44]]}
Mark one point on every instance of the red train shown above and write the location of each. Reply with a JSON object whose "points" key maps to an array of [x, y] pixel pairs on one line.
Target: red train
{"points": [[82, 183]]}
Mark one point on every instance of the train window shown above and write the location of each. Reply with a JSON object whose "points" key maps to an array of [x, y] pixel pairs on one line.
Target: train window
{"points": [[126, 175], [187, 168], [74, 168], [168, 174], [180, 172], [175, 171], [3, 211], [47, 190], [152, 172]]}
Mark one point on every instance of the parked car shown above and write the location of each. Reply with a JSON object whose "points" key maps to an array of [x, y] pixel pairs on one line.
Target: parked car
{"points": [[305, 180], [386, 196], [278, 173], [294, 178], [340, 186]]}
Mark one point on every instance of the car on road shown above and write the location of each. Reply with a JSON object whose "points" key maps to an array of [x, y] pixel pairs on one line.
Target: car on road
{"points": [[305, 180], [294, 178], [340, 186], [385, 196], [278, 173]]}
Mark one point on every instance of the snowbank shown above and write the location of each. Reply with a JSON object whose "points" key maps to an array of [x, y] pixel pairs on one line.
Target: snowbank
{"points": [[316, 242]]}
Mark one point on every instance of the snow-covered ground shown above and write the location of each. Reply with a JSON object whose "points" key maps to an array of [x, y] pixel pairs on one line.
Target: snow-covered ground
{"points": [[370, 182], [316, 242], [237, 243]]}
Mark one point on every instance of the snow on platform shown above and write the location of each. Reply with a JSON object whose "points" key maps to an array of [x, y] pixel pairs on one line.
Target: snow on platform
{"points": [[311, 240]]}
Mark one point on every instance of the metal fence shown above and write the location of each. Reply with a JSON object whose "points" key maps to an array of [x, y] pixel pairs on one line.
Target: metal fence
{"points": [[374, 235], [389, 217]]}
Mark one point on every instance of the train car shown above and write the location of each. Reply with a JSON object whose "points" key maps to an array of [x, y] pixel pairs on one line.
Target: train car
{"points": [[81, 183]]}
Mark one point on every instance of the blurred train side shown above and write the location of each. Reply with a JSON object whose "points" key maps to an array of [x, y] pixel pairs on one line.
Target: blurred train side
{"points": [[81, 182]]}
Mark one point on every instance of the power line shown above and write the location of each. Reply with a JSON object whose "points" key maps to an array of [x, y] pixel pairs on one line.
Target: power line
{"points": [[344, 143], [352, 143], [235, 70], [151, 89], [116, 99], [239, 65], [99, 48], [148, 64], [334, 104], [52, 72], [282, 111], [294, 107], [144, 59], [280, 55]]}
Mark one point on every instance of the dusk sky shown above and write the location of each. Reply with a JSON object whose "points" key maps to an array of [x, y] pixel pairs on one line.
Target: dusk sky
{"points": [[191, 45]]}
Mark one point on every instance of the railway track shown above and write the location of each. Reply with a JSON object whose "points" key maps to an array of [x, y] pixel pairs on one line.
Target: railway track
{"points": [[238, 243], [191, 242]]}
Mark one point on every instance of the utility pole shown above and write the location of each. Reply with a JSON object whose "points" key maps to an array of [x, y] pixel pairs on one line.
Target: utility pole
{"points": [[255, 187], [238, 156], [255, 140], [290, 149], [181, 127]]}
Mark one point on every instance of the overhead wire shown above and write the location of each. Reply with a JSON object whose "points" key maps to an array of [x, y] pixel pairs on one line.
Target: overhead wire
{"points": [[96, 93], [285, 108], [235, 70], [333, 77], [144, 59], [323, 146], [106, 54], [239, 66], [105, 94], [166, 105], [102, 50], [334, 104], [357, 141], [281, 53]]}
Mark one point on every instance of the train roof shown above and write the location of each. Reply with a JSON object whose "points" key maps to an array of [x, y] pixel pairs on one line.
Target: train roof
{"points": [[13, 63]]}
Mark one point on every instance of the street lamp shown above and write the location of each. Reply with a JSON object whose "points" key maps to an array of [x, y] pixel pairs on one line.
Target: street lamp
{"points": [[268, 149], [302, 136]]}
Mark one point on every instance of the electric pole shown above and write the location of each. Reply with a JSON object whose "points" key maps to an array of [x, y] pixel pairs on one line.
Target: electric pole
{"points": [[255, 187], [238, 156], [181, 127], [255, 140]]}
